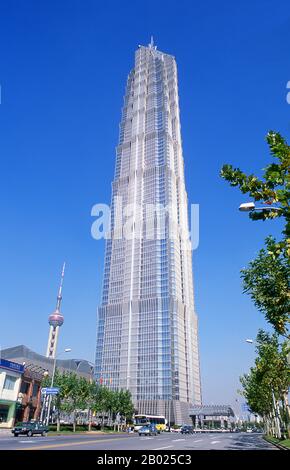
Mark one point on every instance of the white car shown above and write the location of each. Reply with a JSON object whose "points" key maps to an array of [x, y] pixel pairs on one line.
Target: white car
{"points": [[175, 430]]}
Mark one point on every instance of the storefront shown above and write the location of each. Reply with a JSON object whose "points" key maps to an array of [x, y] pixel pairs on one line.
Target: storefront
{"points": [[10, 379]]}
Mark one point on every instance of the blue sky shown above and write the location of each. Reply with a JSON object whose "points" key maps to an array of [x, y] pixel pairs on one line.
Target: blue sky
{"points": [[63, 72]]}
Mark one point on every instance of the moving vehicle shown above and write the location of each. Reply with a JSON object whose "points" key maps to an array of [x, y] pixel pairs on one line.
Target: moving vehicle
{"points": [[144, 420], [30, 428], [148, 430], [186, 429]]}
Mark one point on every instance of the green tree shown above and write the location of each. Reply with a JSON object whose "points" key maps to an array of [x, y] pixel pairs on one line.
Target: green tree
{"points": [[82, 397], [266, 386], [78, 394], [68, 398], [91, 399], [68, 385], [126, 406], [274, 188], [101, 401], [266, 280], [113, 404]]}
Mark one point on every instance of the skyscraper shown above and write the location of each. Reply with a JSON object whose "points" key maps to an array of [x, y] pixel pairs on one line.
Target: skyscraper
{"points": [[147, 326]]}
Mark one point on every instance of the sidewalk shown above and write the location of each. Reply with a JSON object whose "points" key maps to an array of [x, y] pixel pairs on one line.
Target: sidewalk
{"points": [[5, 432]]}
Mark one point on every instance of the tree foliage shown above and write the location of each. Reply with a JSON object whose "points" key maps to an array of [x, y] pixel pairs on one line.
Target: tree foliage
{"points": [[266, 280], [77, 393], [269, 379], [274, 188]]}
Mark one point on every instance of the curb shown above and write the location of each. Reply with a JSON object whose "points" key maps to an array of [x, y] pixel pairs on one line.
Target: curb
{"points": [[90, 433], [280, 446]]}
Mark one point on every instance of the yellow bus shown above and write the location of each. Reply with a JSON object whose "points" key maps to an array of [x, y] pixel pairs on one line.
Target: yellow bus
{"points": [[143, 420]]}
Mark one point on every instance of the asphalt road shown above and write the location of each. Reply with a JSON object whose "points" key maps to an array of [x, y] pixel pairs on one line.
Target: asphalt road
{"points": [[164, 441]]}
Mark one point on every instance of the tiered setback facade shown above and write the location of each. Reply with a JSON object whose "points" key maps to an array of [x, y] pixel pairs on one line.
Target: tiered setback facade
{"points": [[147, 326]]}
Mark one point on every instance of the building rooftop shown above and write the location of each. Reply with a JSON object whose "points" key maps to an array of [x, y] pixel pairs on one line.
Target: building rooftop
{"points": [[211, 410], [38, 362]]}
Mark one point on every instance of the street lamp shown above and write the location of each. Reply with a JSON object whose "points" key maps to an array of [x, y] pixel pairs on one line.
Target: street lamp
{"points": [[67, 350], [247, 206], [250, 206]]}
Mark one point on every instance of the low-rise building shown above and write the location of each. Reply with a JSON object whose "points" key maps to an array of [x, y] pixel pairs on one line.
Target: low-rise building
{"points": [[29, 396], [212, 416], [24, 402], [23, 354], [10, 381]]}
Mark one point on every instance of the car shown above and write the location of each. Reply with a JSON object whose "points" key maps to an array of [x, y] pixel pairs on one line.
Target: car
{"points": [[148, 430], [259, 430], [175, 429], [249, 430], [30, 428], [186, 429]]}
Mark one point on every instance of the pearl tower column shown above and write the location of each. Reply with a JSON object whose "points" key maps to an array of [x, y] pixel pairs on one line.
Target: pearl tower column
{"points": [[55, 321]]}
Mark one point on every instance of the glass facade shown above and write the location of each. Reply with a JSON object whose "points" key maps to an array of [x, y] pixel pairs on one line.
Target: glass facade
{"points": [[10, 382], [147, 326]]}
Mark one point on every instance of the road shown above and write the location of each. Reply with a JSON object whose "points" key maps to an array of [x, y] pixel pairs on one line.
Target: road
{"points": [[164, 441]]}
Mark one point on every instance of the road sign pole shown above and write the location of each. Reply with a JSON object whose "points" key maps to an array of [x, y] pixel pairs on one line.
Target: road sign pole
{"points": [[42, 409]]}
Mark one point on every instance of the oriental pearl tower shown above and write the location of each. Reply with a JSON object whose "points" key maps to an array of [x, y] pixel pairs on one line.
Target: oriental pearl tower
{"points": [[55, 320]]}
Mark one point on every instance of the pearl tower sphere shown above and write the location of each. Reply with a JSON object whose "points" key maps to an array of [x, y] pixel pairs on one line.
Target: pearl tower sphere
{"points": [[55, 321]]}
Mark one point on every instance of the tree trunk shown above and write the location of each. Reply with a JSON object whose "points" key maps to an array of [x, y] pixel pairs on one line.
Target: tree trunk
{"points": [[279, 419], [267, 425], [287, 409], [90, 419], [74, 422], [272, 424], [58, 423]]}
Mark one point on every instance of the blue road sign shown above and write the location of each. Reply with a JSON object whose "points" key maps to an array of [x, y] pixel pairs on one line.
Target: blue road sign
{"points": [[50, 391], [4, 364]]}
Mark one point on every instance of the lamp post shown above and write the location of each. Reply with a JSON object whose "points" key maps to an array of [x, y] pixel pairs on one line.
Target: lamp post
{"points": [[169, 414], [92, 370], [67, 350], [45, 374]]}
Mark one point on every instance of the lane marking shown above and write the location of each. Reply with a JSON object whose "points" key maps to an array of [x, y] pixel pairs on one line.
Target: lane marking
{"points": [[178, 440], [67, 444], [215, 442], [160, 448]]}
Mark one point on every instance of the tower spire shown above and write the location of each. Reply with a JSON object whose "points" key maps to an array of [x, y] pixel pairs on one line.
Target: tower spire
{"points": [[151, 44], [59, 296]]}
